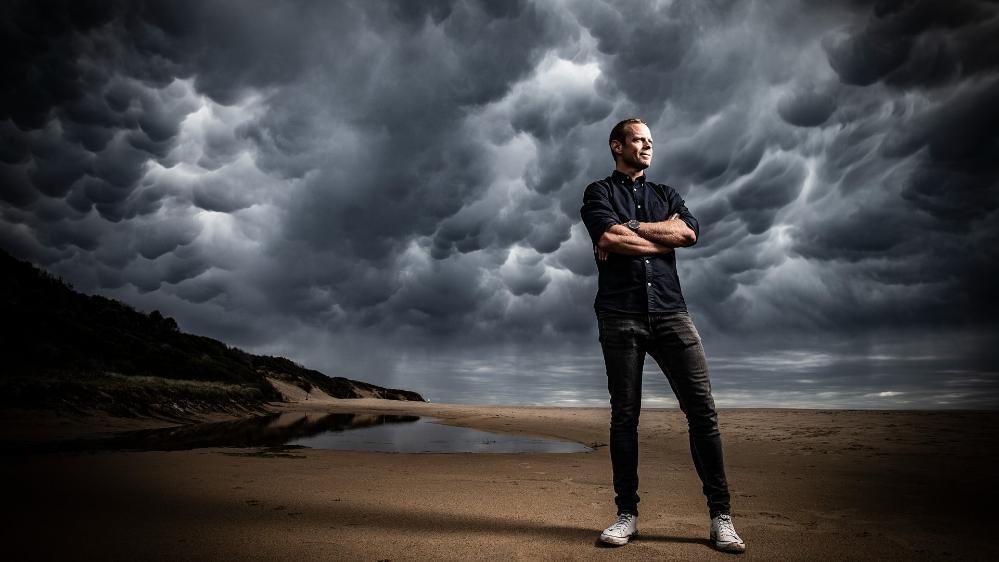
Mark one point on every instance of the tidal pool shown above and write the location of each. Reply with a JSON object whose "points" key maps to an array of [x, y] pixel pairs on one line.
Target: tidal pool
{"points": [[342, 431], [424, 435]]}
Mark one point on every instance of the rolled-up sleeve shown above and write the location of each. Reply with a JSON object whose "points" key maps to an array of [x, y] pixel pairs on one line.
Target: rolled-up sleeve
{"points": [[679, 206], [597, 213]]}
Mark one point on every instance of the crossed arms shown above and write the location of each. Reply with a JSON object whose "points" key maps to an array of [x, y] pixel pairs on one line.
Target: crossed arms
{"points": [[651, 238], [603, 223]]}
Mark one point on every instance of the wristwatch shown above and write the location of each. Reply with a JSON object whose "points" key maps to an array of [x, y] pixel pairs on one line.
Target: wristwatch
{"points": [[633, 224]]}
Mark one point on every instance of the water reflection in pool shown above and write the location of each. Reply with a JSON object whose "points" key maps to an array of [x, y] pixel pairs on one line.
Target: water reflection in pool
{"points": [[343, 431], [423, 435]]}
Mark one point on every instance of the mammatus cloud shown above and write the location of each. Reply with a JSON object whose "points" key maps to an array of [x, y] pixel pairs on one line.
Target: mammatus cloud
{"points": [[353, 183]]}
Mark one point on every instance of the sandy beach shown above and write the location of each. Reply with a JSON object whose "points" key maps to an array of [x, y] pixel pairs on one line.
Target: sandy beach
{"points": [[806, 484]]}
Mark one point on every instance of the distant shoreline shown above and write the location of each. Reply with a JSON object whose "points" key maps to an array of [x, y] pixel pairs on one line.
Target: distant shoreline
{"points": [[28, 424]]}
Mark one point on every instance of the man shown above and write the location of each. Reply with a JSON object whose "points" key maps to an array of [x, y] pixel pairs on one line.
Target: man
{"points": [[635, 225]]}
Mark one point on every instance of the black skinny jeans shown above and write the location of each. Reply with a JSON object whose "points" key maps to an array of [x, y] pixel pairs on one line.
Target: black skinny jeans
{"points": [[672, 340]]}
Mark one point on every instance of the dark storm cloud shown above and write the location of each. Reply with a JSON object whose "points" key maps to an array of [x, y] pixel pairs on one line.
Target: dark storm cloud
{"points": [[772, 186], [806, 108], [334, 180], [932, 165], [917, 43]]}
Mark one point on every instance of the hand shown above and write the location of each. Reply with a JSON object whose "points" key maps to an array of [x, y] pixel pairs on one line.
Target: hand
{"points": [[601, 255]]}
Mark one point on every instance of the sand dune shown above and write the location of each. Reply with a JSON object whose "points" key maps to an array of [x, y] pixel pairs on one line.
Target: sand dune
{"points": [[807, 485]]}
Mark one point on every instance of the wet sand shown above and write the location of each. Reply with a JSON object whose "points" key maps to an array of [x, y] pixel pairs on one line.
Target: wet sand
{"points": [[806, 485]]}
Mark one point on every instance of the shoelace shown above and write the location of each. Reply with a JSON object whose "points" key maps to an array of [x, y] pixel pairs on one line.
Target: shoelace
{"points": [[622, 523], [726, 530]]}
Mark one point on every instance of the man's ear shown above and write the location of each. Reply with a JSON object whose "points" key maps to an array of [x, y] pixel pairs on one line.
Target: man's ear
{"points": [[616, 147]]}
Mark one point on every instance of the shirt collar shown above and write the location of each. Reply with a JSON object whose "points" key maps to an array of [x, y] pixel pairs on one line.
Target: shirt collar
{"points": [[622, 177]]}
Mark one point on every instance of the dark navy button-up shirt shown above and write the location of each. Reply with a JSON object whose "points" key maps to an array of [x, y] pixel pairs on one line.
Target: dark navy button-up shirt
{"points": [[639, 284]]}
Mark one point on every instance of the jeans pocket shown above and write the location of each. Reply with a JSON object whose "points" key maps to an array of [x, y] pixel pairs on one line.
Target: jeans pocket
{"points": [[620, 331], [688, 333]]}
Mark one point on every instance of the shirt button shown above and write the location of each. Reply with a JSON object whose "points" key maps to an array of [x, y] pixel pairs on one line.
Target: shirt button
{"points": [[646, 261], [649, 284], [639, 206]]}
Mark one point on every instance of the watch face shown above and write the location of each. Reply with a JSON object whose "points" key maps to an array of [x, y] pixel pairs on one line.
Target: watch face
{"points": [[633, 224]]}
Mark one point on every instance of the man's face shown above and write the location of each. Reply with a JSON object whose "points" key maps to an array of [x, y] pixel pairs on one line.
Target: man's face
{"points": [[636, 150]]}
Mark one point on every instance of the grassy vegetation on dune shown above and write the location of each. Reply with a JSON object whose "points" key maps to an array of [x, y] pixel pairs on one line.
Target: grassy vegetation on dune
{"points": [[129, 396], [65, 349]]}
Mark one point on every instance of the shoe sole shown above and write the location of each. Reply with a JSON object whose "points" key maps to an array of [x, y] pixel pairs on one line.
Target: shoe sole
{"points": [[617, 541], [729, 546]]}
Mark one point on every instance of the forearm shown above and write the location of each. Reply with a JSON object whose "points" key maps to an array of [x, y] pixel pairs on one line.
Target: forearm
{"points": [[672, 233], [621, 240]]}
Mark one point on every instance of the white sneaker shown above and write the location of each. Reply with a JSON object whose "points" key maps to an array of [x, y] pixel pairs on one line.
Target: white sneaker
{"points": [[623, 529], [723, 535]]}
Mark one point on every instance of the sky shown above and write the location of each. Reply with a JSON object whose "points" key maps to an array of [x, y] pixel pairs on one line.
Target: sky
{"points": [[390, 191]]}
